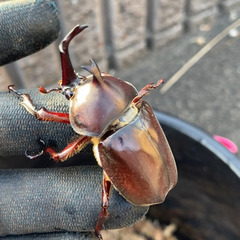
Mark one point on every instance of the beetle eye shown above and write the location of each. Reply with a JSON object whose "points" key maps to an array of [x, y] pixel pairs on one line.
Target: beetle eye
{"points": [[68, 93]]}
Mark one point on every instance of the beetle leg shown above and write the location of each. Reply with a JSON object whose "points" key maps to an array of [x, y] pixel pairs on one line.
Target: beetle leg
{"points": [[106, 186], [42, 114], [146, 90], [71, 149], [44, 90]]}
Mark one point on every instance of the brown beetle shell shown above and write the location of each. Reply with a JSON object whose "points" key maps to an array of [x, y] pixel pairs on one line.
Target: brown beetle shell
{"points": [[94, 106], [138, 161]]}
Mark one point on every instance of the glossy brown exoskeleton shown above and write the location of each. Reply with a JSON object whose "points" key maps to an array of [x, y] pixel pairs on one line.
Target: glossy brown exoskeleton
{"points": [[128, 142]]}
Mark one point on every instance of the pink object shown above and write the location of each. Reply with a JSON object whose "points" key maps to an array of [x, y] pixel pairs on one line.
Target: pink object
{"points": [[230, 145]]}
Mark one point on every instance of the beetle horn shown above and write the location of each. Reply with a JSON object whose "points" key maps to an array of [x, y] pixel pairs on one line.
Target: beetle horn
{"points": [[68, 73], [95, 71]]}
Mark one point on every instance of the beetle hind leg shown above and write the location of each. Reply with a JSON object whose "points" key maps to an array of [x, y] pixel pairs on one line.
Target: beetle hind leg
{"points": [[106, 186]]}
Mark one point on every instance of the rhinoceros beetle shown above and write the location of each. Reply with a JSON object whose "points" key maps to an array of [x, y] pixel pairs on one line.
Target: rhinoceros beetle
{"points": [[128, 142]]}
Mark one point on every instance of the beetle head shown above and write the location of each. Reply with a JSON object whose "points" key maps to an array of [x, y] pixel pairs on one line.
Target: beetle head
{"points": [[95, 101]]}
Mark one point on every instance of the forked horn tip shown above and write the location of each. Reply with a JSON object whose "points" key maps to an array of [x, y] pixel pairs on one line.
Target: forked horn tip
{"points": [[94, 70]]}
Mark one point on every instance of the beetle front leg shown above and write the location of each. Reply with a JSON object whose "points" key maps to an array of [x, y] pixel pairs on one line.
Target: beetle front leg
{"points": [[41, 114], [106, 186], [144, 91]]}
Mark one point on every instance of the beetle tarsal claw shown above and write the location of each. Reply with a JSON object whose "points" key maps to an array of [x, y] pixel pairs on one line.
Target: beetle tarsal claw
{"points": [[27, 103], [94, 70], [25, 100], [30, 156], [12, 89], [33, 156]]}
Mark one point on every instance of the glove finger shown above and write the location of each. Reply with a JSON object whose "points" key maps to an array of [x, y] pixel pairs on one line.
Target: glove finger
{"points": [[58, 200], [26, 27], [54, 236]]}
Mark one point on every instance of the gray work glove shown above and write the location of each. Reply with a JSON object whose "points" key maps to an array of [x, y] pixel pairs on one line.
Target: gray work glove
{"points": [[40, 199]]}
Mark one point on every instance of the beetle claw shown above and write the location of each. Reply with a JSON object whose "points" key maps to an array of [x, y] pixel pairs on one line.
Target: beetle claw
{"points": [[42, 143], [98, 235], [12, 89], [33, 156]]}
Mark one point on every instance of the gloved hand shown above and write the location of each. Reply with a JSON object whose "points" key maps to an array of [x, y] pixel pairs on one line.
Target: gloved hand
{"points": [[49, 200], [39, 198]]}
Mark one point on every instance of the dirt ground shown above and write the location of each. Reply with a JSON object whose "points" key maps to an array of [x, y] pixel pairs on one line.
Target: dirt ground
{"points": [[142, 230]]}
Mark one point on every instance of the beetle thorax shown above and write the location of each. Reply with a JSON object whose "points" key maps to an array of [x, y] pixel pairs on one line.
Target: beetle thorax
{"points": [[94, 107]]}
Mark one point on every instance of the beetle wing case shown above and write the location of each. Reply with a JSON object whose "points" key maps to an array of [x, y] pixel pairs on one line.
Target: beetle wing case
{"points": [[138, 160]]}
